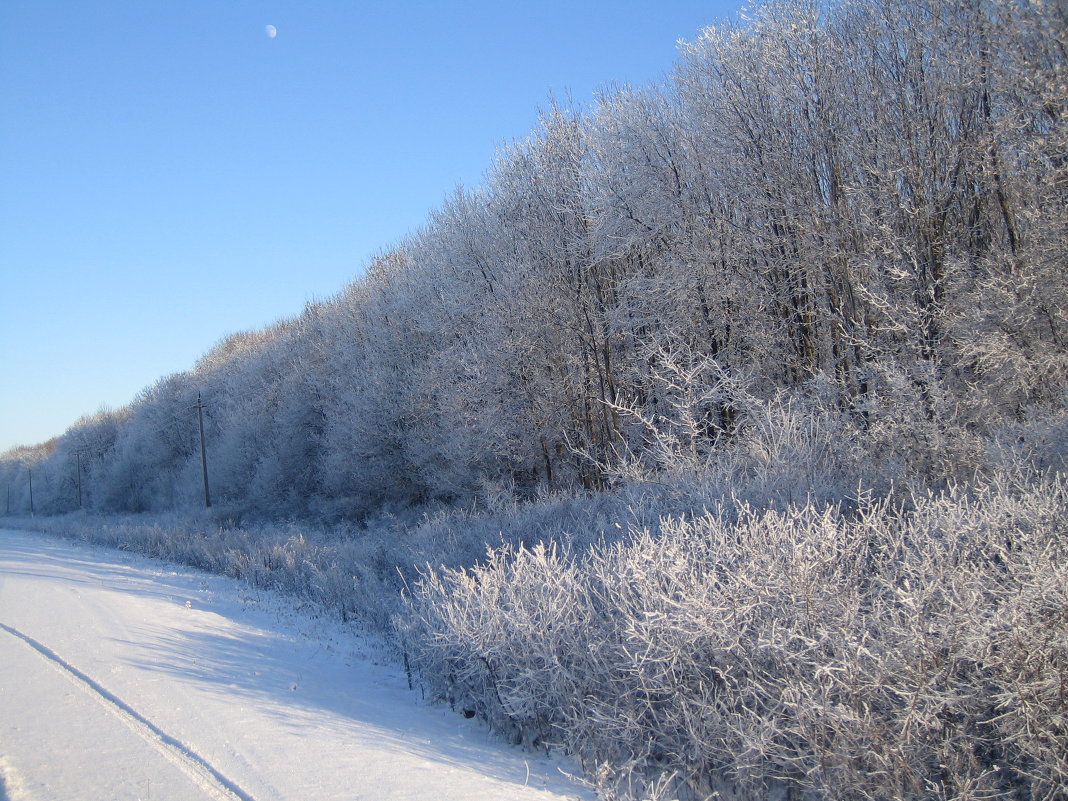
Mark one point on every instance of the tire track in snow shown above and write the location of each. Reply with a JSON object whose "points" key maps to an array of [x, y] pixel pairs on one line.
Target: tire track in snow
{"points": [[202, 772]]}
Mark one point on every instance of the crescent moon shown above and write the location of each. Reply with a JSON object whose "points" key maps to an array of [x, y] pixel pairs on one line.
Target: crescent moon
{"points": [[271, 31]]}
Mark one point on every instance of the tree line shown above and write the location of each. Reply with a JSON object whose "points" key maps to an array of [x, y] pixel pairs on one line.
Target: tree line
{"points": [[857, 207]]}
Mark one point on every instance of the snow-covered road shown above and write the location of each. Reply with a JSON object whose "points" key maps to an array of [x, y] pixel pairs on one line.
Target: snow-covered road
{"points": [[123, 678]]}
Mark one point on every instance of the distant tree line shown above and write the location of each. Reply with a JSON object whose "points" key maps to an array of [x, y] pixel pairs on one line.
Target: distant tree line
{"points": [[858, 209]]}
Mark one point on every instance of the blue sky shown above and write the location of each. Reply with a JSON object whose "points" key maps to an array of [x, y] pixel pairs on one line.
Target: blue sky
{"points": [[170, 174]]}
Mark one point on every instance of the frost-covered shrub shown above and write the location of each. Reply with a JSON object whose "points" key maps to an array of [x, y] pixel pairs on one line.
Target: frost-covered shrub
{"points": [[882, 654], [875, 649]]}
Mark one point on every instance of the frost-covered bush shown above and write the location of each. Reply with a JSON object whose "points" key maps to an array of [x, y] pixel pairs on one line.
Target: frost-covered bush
{"points": [[875, 649], [881, 654]]}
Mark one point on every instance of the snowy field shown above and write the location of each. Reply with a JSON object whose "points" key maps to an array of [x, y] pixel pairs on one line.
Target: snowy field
{"points": [[123, 678]]}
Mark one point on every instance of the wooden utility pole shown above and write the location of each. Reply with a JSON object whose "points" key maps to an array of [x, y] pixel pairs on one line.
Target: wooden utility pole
{"points": [[203, 453], [78, 454], [32, 514]]}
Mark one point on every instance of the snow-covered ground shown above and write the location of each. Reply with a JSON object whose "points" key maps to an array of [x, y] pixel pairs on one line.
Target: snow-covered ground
{"points": [[124, 678]]}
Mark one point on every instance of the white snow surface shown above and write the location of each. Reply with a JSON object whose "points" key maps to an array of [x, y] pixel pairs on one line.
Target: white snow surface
{"points": [[124, 678]]}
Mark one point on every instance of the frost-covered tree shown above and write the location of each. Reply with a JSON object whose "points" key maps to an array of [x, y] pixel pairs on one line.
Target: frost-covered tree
{"points": [[857, 207]]}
